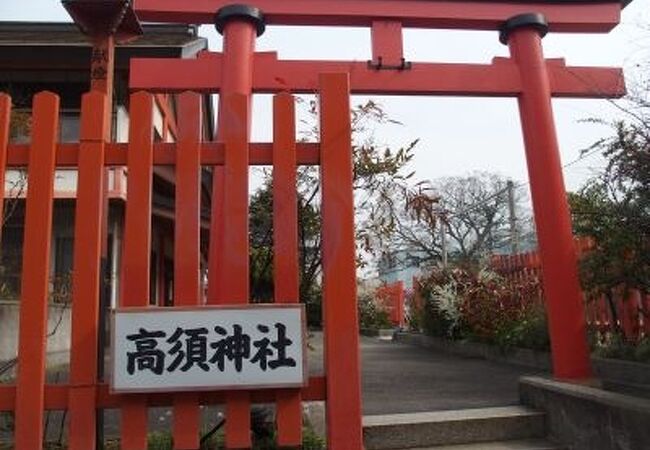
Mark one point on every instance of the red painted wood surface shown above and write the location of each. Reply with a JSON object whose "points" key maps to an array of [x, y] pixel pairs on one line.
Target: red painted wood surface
{"points": [[212, 153], [646, 315], [228, 252], [102, 65], [387, 42], [564, 303], [270, 75], [137, 247], [5, 116], [285, 248], [567, 16], [57, 396], [341, 326], [36, 274], [391, 299], [231, 278], [187, 223], [83, 395], [86, 275], [630, 305]]}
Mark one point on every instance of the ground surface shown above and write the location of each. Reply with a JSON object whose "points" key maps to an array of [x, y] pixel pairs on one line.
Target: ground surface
{"points": [[402, 378]]}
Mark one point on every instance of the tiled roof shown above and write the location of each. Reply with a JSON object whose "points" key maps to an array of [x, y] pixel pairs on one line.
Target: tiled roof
{"points": [[39, 34]]}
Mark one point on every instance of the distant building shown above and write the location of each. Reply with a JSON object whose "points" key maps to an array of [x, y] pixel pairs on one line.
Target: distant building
{"points": [[56, 57], [399, 266]]}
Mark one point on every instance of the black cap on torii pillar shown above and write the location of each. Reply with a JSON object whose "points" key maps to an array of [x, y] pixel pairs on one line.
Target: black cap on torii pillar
{"points": [[529, 20], [241, 12]]}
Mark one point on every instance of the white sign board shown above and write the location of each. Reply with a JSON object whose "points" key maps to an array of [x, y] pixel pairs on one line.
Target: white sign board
{"points": [[179, 349]]}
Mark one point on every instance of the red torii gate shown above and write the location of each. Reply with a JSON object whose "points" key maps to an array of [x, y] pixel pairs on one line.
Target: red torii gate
{"points": [[525, 75]]}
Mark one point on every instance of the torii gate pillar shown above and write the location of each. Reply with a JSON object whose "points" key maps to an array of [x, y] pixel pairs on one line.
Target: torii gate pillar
{"points": [[523, 34], [239, 25]]}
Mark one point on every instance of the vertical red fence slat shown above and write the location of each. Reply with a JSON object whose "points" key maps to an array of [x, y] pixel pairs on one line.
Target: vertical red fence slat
{"points": [[627, 314], [646, 310], [629, 305], [186, 248], [137, 247], [86, 275], [399, 304], [339, 267], [603, 314], [5, 115], [285, 242], [234, 273], [35, 274]]}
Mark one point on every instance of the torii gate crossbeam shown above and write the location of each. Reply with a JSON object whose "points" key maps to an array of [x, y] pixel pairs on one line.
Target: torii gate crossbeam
{"points": [[271, 75], [590, 16]]}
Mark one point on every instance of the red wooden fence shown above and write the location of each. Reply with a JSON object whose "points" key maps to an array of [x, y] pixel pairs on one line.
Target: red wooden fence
{"points": [[631, 309], [30, 396], [391, 299]]}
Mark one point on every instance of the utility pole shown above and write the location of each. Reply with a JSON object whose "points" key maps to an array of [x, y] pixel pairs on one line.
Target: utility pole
{"points": [[514, 234], [443, 241]]}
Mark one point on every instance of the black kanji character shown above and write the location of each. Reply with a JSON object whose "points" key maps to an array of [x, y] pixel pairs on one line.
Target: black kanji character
{"points": [[195, 351], [281, 346], [98, 73], [235, 348], [146, 354], [263, 351], [99, 56]]}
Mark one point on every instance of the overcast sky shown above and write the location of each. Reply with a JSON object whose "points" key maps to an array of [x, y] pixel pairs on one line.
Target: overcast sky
{"points": [[458, 135]]}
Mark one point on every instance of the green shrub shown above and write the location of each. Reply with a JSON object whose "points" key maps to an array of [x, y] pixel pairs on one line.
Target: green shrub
{"points": [[311, 440], [159, 440], [314, 306], [414, 314], [615, 346], [441, 291], [460, 303], [642, 351], [530, 332], [371, 315]]}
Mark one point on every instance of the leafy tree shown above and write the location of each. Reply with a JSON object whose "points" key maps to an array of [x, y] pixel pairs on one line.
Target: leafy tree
{"points": [[261, 256], [20, 125], [376, 168], [613, 209], [472, 210]]}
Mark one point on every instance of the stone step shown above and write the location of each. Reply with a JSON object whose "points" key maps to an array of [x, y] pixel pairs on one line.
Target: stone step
{"points": [[467, 426], [525, 444], [637, 390]]}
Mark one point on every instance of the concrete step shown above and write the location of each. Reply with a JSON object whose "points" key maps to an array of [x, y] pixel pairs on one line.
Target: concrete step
{"points": [[525, 444], [637, 390], [467, 426]]}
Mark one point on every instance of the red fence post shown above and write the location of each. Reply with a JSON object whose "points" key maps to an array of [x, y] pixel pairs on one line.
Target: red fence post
{"points": [[86, 277], [187, 415], [340, 313], [233, 275], [137, 247], [5, 116], [627, 303], [34, 291], [646, 313], [285, 246], [400, 304], [559, 265]]}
